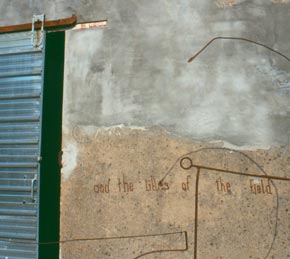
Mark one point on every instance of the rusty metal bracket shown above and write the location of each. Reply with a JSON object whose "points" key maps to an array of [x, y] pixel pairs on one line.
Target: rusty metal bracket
{"points": [[37, 43], [60, 24]]}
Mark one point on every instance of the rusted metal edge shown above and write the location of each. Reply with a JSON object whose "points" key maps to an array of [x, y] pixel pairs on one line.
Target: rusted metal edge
{"points": [[89, 25], [48, 25]]}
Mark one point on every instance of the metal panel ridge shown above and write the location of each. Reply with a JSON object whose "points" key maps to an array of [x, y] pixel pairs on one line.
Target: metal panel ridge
{"points": [[21, 88]]}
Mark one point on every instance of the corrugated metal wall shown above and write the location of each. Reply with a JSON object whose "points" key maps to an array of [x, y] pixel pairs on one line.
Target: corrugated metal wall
{"points": [[21, 80]]}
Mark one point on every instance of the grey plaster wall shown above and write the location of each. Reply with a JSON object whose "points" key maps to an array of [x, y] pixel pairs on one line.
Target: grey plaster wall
{"points": [[135, 70]]}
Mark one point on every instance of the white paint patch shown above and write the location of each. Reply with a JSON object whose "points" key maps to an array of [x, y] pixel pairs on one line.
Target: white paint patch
{"points": [[69, 159], [245, 147]]}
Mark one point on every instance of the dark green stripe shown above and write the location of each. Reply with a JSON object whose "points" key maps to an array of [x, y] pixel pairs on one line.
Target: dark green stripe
{"points": [[51, 145]]}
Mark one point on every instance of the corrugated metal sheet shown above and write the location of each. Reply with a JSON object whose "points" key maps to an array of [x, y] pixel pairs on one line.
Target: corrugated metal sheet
{"points": [[21, 80]]}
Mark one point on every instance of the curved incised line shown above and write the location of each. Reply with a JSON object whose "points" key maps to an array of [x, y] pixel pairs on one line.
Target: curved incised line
{"points": [[167, 250], [256, 164], [240, 39], [110, 238]]}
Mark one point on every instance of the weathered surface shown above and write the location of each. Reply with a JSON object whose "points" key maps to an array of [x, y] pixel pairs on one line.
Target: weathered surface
{"points": [[134, 72], [113, 193]]}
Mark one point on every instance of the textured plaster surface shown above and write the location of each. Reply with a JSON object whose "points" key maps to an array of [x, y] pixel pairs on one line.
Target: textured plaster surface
{"points": [[134, 73], [133, 218]]}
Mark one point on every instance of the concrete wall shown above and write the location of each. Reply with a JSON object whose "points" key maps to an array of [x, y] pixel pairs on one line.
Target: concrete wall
{"points": [[113, 196], [134, 108], [135, 71]]}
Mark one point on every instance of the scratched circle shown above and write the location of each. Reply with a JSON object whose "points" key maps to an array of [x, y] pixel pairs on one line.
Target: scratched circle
{"points": [[186, 163]]}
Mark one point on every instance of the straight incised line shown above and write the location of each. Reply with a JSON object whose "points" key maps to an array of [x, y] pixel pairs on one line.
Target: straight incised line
{"points": [[270, 177], [88, 239], [196, 212]]}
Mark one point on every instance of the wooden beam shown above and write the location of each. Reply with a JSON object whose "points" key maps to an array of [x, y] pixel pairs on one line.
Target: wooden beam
{"points": [[48, 25]]}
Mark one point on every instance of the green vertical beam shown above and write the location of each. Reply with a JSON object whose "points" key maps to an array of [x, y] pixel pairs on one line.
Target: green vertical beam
{"points": [[49, 210]]}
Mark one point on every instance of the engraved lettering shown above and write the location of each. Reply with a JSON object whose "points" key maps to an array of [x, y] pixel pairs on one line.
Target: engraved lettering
{"points": [[260, 186], [223, 186], [152, 184], [102, 187], [125, 186], [185, 185]]}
